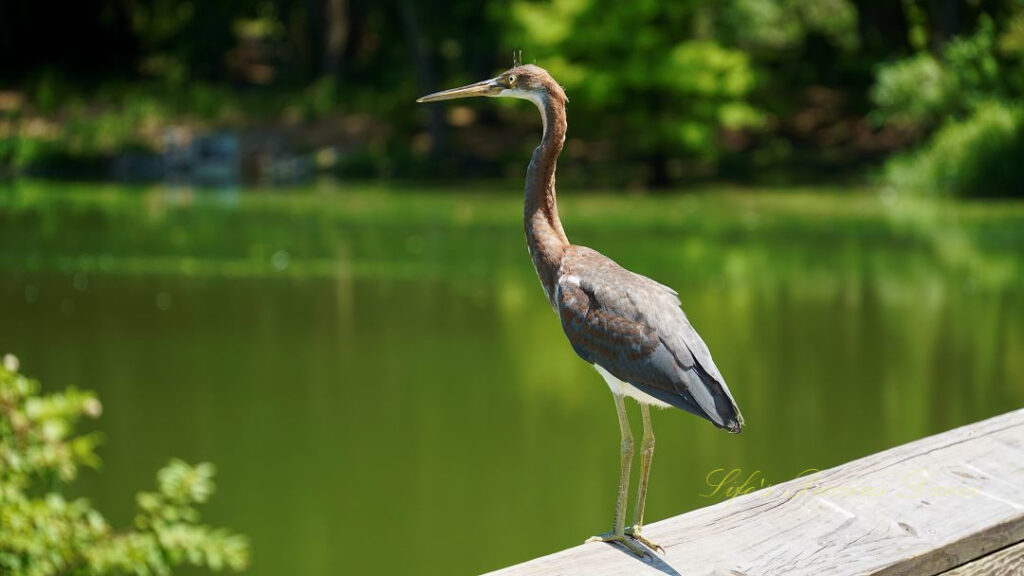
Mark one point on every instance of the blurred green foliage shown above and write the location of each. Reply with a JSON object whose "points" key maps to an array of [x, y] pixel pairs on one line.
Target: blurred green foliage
{"points": [[42, 532], [911, 91], [922, 90], [660, 93], [669, 93], [664, 79], [971, 97], [977, 156]]}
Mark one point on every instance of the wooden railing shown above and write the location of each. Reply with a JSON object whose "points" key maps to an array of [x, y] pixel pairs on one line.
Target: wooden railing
{"points": [[949, 504]]}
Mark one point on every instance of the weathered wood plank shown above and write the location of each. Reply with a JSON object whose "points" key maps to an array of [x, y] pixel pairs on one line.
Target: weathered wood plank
{"points": [[1006, 562], [917, 509]]}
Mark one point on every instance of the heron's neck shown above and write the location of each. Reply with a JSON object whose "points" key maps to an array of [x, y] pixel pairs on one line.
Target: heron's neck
{"points": [[544, 235]]}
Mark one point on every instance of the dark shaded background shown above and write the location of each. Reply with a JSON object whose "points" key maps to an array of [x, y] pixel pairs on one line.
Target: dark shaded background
{"points": [[661, 93]]}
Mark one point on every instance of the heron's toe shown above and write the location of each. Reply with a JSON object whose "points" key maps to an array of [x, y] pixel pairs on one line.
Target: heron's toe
{"points": [[622, 539], [634, 533]]}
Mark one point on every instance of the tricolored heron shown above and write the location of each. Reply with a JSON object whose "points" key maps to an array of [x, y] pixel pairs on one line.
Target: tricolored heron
{"points": [[631, 328]]}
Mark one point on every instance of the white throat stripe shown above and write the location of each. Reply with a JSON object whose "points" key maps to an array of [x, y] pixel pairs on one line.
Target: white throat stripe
{"points": [[537, 98]]}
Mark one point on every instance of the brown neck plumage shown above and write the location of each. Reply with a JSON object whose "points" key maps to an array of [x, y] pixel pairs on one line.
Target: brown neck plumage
{"points": [[544, 235]]}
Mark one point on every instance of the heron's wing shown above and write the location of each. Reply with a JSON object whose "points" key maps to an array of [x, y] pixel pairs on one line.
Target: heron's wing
{"points": [[634, 328]]}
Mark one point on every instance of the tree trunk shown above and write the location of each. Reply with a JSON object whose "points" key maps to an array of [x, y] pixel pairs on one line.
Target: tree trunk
{"points": [[426, 77], [944, 21], [335, 37]]}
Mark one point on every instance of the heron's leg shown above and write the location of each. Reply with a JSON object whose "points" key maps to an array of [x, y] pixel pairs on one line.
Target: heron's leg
{"points": [[618, 533], [625, 463], [646, 455]]}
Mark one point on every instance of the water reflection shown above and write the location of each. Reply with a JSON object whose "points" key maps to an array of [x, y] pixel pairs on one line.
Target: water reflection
{"points": [[413, 406]]}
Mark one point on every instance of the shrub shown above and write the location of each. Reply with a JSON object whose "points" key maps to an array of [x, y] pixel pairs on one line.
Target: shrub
{"points": [[919, 91], [912, 92], [979, 156], [42, 532], [975, 71]]}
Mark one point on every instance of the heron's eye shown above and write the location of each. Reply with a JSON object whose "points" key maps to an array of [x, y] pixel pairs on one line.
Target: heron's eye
{"points": [[511, 80]]}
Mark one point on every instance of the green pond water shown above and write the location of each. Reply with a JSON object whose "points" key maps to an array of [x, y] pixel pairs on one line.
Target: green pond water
{"points": [[383, 388]]}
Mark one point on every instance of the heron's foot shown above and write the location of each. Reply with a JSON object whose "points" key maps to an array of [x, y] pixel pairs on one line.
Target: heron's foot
{"points": [[621, 539], [634, 533]]}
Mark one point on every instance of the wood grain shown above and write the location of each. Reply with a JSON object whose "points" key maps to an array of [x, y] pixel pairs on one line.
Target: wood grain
{"points": [[1006, 562], [917, 509]]}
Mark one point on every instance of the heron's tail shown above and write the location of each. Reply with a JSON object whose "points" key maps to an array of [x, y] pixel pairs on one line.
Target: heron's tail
{"points": [[715, 403], [725, 407]]}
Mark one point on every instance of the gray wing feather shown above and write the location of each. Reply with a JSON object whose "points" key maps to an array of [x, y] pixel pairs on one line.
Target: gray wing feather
{"points": [[635, 328]]}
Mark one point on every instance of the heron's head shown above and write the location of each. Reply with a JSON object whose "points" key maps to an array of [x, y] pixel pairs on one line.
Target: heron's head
{"points": [[527, 81]]}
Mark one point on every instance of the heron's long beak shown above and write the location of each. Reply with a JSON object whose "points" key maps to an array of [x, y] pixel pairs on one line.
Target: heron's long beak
{"points": [[484, 88]]}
